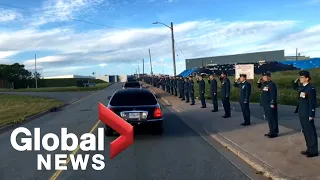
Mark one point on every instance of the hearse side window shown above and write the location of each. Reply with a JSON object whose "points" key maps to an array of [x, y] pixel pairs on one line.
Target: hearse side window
{"points": [[133, 99]]}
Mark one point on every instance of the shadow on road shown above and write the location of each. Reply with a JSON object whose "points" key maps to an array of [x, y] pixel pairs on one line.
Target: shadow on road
{"points": [[172, 124]]}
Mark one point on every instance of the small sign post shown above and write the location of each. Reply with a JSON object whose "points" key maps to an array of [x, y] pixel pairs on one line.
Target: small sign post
{"points": [[247, 69]]}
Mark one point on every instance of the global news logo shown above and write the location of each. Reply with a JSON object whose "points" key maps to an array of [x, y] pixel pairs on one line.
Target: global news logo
{"points": [[86, 143]]}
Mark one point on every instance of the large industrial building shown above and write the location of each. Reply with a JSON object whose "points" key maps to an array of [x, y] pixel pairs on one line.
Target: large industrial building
{"points": [[265, 56]]}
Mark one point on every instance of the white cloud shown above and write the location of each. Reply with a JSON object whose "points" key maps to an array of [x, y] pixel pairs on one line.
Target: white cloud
{"points": [[313, 2], [65, 10], [6, 54], [4, 61], [195, 39], [103, 64], [8, 15]]}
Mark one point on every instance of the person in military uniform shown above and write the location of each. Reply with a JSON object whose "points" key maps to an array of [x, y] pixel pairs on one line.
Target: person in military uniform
{"points": [[191, 90], [175, 86], [171, 85], [269, 102], [167, 84], [225, 94], [202, 90], [306, 110], [245, 93], [213, 92], [186, 89], [154, 81], [158, 82], [179, 86], [182, 89], [162, 83]]}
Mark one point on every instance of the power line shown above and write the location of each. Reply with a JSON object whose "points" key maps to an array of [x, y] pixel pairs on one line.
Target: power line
{"points": [[180, 49], [75, 19]]}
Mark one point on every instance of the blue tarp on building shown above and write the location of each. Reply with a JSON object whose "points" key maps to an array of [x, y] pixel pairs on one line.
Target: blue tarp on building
{"points": [[187, 72], [304, 64]]}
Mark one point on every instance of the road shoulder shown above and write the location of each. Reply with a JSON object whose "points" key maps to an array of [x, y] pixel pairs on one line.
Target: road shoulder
{"points": [[277, 158]]}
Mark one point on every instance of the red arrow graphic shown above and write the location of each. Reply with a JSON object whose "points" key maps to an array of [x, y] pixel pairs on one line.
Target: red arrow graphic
{"points": [[119, 125]]}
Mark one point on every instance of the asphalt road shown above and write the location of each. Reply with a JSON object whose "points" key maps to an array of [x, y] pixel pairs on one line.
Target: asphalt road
{"points": [[179, 153]]}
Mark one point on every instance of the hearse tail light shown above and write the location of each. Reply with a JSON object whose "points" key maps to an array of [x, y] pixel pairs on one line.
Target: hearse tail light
{"points": [[157, 113]]}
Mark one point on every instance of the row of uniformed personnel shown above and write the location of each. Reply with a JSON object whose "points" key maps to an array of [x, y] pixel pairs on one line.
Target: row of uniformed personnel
{"points": [[268, 100], [173, 85]]}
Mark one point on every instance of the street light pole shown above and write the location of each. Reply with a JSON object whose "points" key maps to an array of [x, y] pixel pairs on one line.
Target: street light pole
{"points": [[173, 49], [142, 66], [150, 62], [35, 69]]}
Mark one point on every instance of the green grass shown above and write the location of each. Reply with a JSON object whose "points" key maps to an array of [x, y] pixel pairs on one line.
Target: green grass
{"points": [[15, 108], [286, 95], [60, 89]]}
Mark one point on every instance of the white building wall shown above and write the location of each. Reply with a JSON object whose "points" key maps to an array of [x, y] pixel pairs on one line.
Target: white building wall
{"points": [[69, 76], [104, 78], [117, 78], [123, 78]]}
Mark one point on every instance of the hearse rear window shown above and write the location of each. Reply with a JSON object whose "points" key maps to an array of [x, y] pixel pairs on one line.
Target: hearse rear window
{"points": [[132, 84], [133, 98]]}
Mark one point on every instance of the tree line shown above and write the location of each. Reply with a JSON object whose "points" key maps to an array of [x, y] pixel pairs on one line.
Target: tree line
{"points": [[17, 74]]}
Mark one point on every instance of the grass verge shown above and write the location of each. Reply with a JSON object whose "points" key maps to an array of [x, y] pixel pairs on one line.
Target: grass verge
{"points": [[60, 89], [286, 94], [15, 108]]}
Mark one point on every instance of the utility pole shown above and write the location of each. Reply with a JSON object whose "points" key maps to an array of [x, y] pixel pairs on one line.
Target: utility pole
{"points": [[142, 66], [138, 71], [35, 69], [173, 51], [150, 62], [296, 54]]}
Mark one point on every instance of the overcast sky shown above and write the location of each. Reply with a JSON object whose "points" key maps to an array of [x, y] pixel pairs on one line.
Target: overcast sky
{"points": [[113, 36]]}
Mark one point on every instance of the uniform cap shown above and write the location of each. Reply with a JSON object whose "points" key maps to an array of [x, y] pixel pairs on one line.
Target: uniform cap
{"points": [[266, 74], [304, 73], [224, 72], [243, 75]]}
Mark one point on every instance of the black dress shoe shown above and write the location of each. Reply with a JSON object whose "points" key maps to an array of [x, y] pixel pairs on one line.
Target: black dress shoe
{"points": [[225, 116], [304, 152], [214, 110], [245, 124], [183, 99], [267, 134], [203, 106], [272, 135], [311, 154], [187, 101], [192, 104]]}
